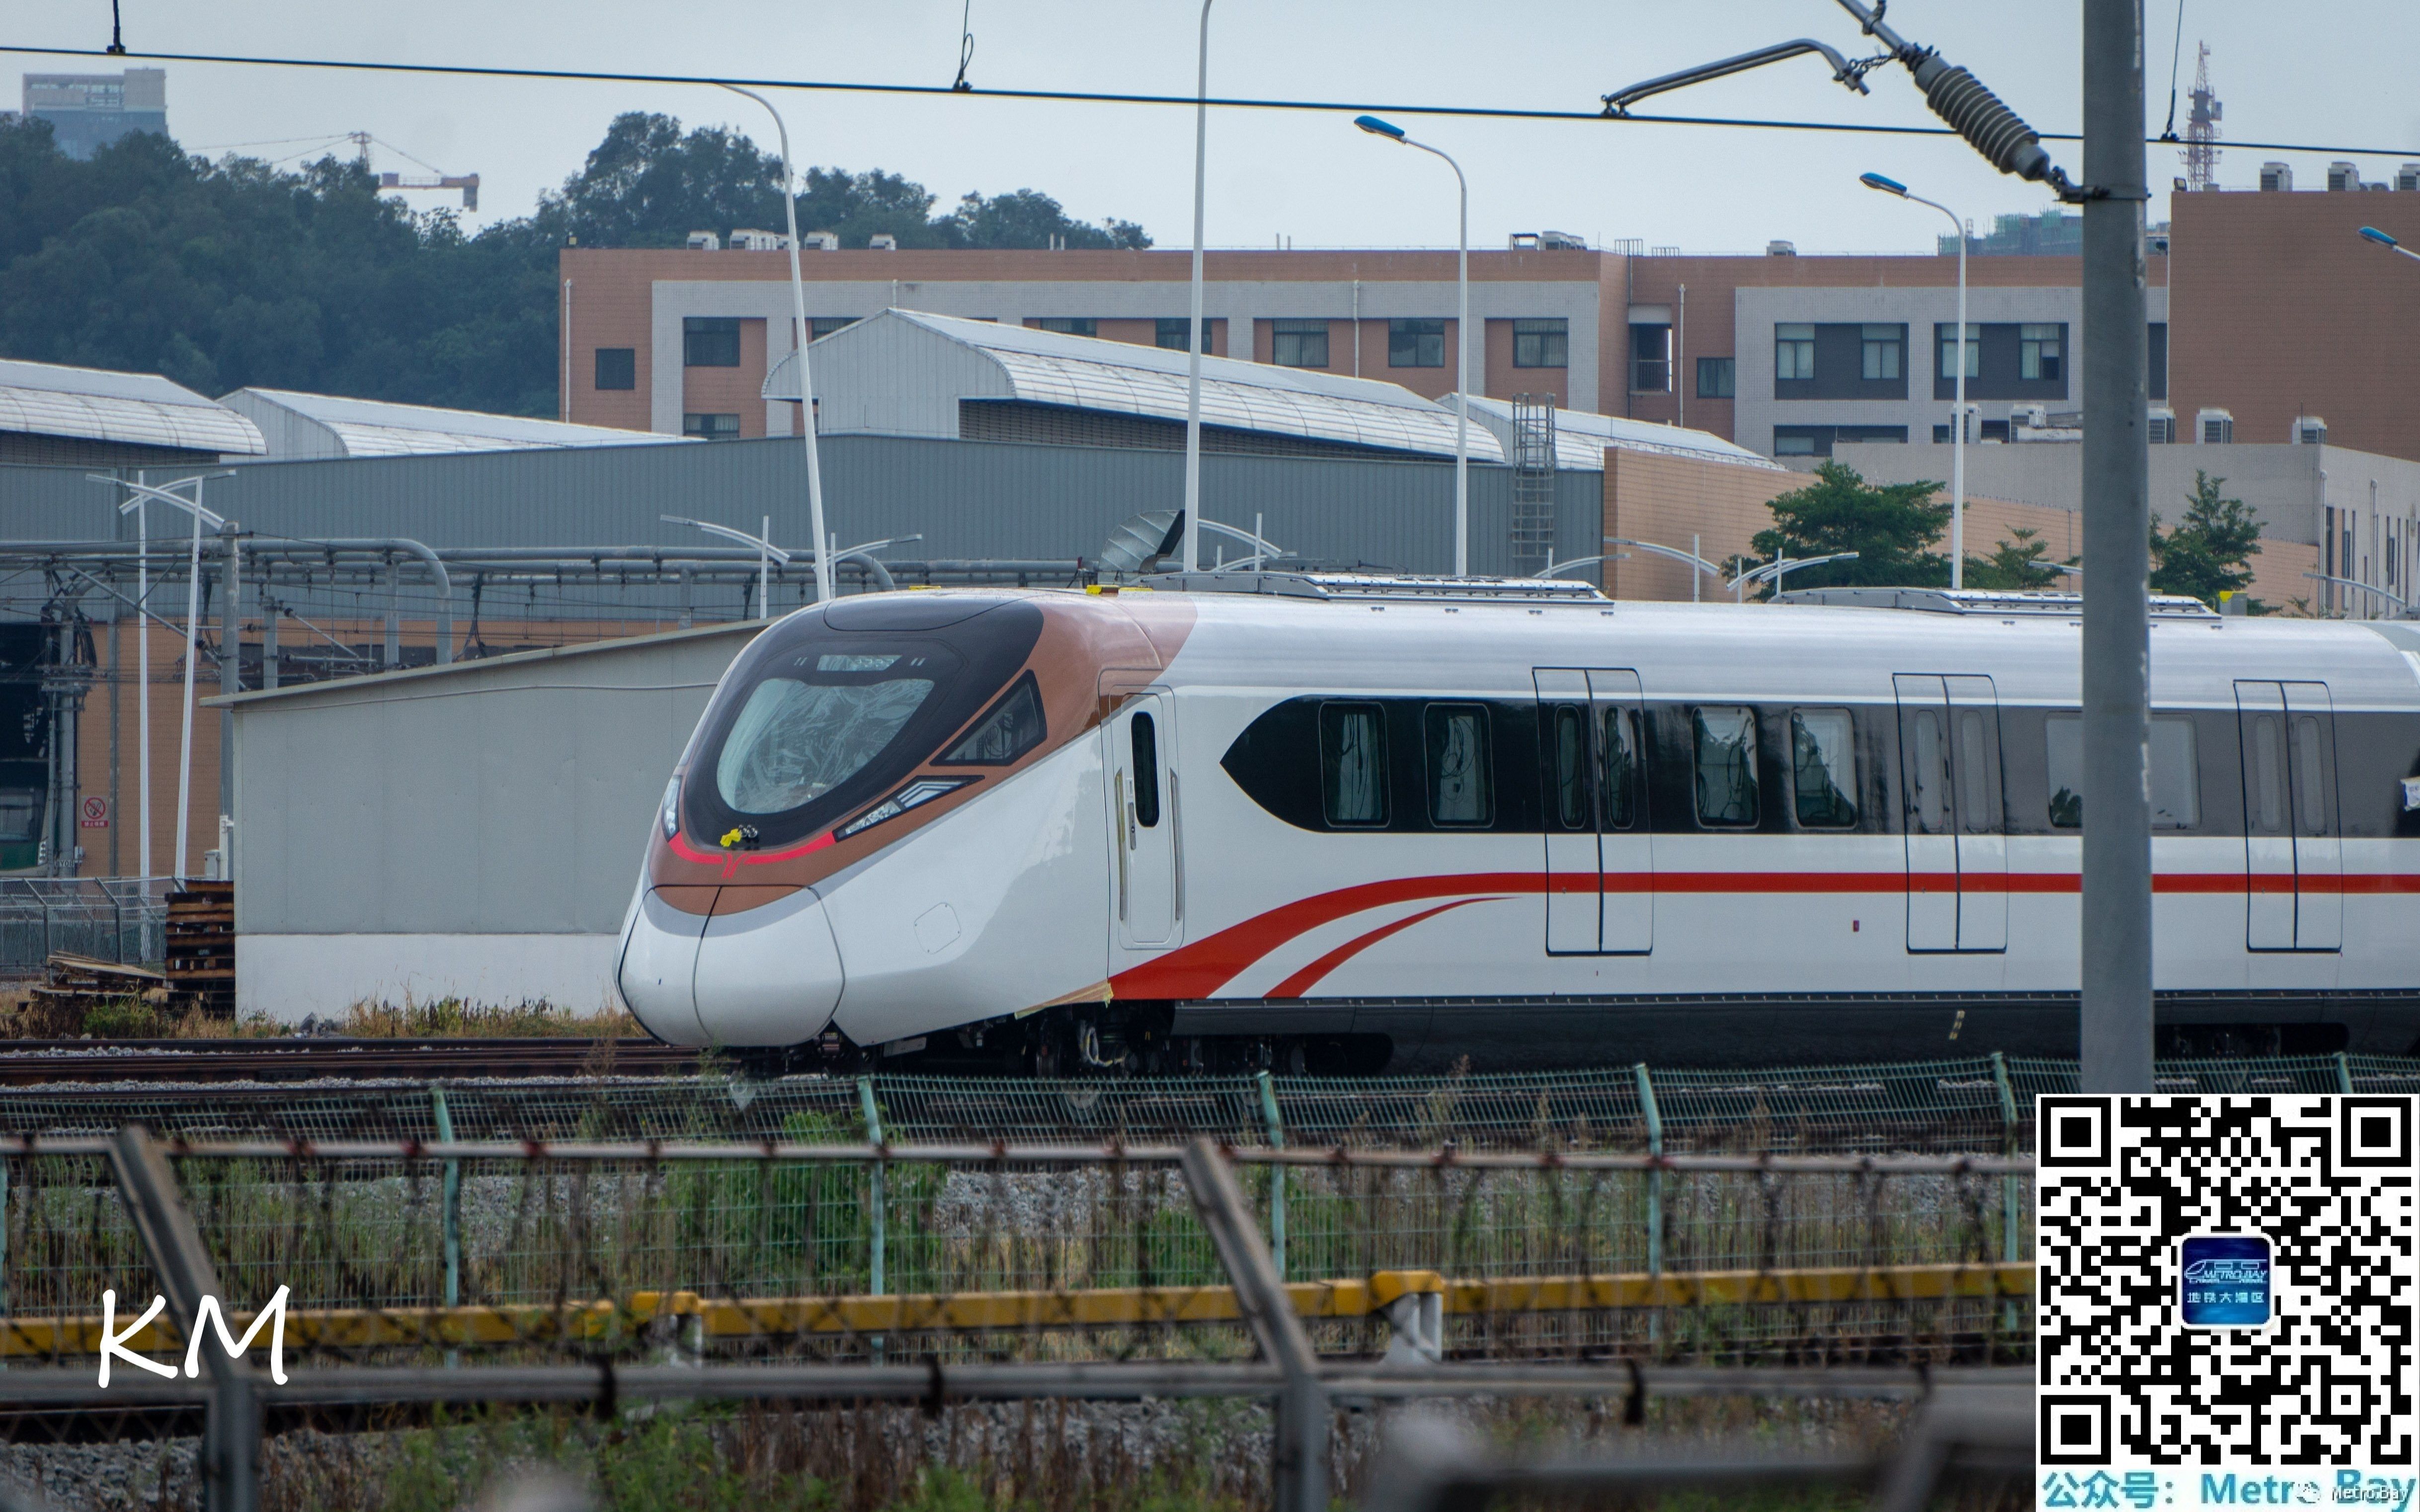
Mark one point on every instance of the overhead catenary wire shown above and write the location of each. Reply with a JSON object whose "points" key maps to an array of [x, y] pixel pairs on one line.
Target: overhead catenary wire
{"points": [[1101, 97]]}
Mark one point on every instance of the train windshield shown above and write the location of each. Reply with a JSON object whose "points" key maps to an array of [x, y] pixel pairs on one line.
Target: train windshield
{"points": [[800, 735]]}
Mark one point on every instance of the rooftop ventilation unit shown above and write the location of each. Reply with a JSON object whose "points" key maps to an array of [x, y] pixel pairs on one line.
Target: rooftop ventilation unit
{"points": [[821, 242], [705, 241], [883, 241], [2276, 178], [2310, 431], [2407, 177], [2162, 425], [2214, 427], [758, 242], [1780, 249], [2344, 176], [1546, 241], [1358, 586]]}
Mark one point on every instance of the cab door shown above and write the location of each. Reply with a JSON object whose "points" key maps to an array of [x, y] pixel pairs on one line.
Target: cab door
{"points": [[2292, 854], [1144, 845]]}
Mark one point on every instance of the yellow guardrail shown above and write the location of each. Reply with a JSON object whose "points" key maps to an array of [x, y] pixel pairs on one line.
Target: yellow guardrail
{"points": [[1090, 1307]]}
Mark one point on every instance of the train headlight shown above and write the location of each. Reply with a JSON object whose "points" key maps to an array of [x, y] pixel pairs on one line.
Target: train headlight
{"points": [[672, 807]]}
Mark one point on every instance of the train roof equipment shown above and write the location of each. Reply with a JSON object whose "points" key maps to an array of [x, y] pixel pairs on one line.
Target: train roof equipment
{"points": [[1358, 587], [1983, 601]]}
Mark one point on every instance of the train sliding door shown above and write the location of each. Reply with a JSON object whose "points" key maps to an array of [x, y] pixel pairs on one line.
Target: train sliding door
{"points": [[1142, 823], [1954, 819], [2292, 858], [1599, 864]]}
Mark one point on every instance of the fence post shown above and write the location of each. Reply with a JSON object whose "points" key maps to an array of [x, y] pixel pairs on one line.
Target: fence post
{"points": [[879, 1217], [1277, 1174], [2344, 1071], [452, 1211], [2010, 1242], [1299, 1478], [1654, 1178], [230, 1458]]}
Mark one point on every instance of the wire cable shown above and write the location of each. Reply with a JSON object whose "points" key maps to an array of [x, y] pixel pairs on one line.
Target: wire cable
{"points": [[966, 47], [1101, 97], [2176, 55]]}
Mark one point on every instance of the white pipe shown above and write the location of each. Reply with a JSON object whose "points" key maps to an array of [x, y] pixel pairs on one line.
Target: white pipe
{"points": [[806, 388], [143, 671], [1193, 365], [193, 627]]}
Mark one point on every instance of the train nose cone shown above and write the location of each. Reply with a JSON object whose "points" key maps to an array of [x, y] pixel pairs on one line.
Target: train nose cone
{"points": [[770, 974], [658, 970]]}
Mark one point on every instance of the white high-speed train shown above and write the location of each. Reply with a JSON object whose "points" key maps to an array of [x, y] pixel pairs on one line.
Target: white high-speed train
{"points": [[1338, 824]]}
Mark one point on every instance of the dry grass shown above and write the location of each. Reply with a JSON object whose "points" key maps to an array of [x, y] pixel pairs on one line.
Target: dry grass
{"points": [[154, 1017], [453, 1018]]}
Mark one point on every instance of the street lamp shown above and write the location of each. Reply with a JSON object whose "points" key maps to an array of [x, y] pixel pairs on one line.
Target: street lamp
{"points": [[806, 390], [1193, 358], [2371, 232], [1375, 126], [1958, 419], [767, 554]]}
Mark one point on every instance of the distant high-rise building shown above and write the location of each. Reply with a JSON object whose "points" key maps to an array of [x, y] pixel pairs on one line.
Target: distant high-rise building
{"points": [[2045, 234], [89, 111]]}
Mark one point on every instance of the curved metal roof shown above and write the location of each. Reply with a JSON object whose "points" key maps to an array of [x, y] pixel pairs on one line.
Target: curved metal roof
{"points": [[1581, 437], [372, 427], [1087, 373], [132, 409]]}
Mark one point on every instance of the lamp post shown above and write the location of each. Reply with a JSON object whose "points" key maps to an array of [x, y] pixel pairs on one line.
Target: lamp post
{"points": [[201, 516], [806, 390], [2371, 232], [1193, 358], [1958, 419], [1375, 126], [767, 554]]}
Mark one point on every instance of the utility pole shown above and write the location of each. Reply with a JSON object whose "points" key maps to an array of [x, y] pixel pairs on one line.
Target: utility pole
{"points": [[2116, 1040]]}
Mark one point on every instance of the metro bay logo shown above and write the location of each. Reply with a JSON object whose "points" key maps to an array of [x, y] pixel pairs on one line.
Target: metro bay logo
{"points": [[2222, 1281]]}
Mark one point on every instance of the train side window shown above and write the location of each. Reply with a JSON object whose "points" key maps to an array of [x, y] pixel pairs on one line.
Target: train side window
{"points": [[1146, 770], [2267, 776], [2175, 774], [1353, 765], [1726, 764], [2063, 752], [1013, 727], [1622, 767], [1459, 791], [1975, 755], [2310, 778], [2176, 769], [1570, 737], [1824, 767], [1929, 773]]}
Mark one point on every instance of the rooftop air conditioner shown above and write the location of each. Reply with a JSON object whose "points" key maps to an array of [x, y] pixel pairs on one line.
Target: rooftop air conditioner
{"points": [[821, 242], [1780, 249], [2309, 430], [2276, 176], [705, 241], [2344, 176], [883, 241], [2035, 415], [2161, 427], [749, 241], [2215, 428], [1560, 242]]}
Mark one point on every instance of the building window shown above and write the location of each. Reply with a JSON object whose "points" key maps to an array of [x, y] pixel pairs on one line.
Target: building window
{"points": [[2157, 369], [1817, 440], [618, 367], [710, 341], [820, 326], [1541, 342], [2038, 352], [1944, 360], [1717, 378], [1882, 347], [710, 427], [1650, 359], [1072, 325], [1418, 343], [1299, 343], [1793, 353]]}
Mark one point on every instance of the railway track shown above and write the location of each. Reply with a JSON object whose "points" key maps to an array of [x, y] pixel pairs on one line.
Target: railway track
{"points": [[36, 1062]]}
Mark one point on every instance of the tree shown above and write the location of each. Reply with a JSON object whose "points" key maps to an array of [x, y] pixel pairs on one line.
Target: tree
{"points": [[1888, 525], [2013, 564], [1029, 218], [2212, 550]]}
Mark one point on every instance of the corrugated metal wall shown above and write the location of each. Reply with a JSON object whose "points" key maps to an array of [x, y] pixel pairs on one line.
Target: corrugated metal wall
{"points": [[969, 499]]}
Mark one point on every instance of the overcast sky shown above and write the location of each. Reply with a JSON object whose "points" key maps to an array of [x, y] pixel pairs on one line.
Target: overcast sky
{"points": [[2330, 73]]}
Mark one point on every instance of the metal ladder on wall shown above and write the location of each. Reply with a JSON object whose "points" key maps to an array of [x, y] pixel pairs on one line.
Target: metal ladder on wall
{"points": [[1533, 482]]}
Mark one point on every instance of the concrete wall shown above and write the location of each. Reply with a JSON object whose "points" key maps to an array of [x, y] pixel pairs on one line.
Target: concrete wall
{"points": [[469, 831]]}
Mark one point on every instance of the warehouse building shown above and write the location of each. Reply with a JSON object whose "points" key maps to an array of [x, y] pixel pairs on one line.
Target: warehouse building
{"points": [[78, 417], [324, 424]]}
